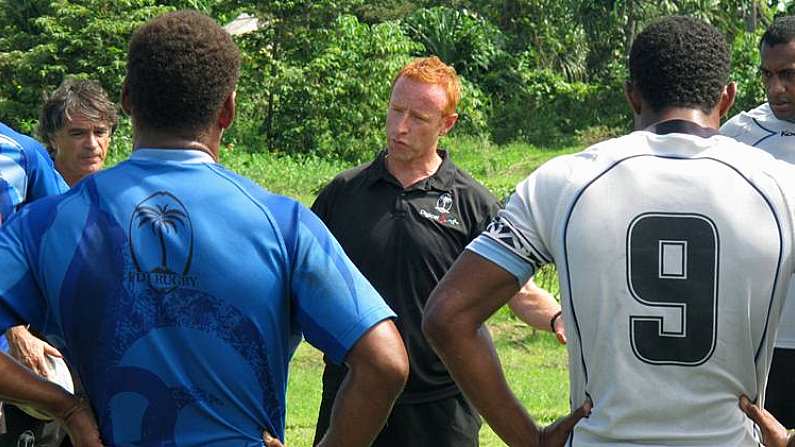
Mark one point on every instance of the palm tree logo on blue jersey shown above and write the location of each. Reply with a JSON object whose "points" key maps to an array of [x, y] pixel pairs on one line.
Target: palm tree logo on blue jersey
{"points": [[161, 241], [162, 220]]}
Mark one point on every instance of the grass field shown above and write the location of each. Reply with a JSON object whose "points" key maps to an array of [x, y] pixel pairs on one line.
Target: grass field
{"points": [[301, 177], [534, 362]]}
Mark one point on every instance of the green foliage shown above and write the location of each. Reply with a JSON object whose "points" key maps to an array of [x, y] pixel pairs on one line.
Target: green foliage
{"points": [[43, 41], [745, 71], [292, 27], [334, 101], [300, 176], [549, 30], [316, 76], [460, 38], [377, 11], [610, 26], [120, 144], [474, 110], [499, 168], [548, 110]]}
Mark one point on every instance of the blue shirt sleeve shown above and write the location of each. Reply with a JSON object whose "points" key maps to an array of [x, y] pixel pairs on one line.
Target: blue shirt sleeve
{"points": [[336, 304], [43, 179], [504, 258], [21, 300]]}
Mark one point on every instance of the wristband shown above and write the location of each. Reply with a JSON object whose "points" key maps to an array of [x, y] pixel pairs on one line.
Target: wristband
{"points": [[553, 320]]}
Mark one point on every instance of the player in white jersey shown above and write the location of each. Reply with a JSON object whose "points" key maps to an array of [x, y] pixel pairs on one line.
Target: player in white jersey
{"points": [[771, 127], [674, 247], [760, 127]]}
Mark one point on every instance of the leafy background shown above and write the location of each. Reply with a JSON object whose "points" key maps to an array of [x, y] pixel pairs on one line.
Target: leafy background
{"points": [[317, 74], [541, 78]]}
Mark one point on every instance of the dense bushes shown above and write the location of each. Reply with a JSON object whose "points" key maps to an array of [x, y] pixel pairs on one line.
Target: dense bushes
{"points": [[334, 101], [317, 74], [546, 110], [41, 41], [745, 71]]}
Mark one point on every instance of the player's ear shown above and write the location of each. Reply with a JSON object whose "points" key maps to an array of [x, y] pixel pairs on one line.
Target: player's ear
{"points": [[227, 114], [633, 97], [727, 97], [447, 123]]}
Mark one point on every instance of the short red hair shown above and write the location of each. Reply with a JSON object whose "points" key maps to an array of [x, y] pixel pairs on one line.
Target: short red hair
{"points": [[432, 70]]}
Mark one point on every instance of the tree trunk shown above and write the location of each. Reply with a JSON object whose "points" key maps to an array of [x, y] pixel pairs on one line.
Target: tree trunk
{"points": [[751, 16], [269, 114], [631, 27]]}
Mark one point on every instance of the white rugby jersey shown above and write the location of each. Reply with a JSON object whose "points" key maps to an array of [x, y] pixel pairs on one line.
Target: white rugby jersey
{"points": [[674, 253], [760, 128]]}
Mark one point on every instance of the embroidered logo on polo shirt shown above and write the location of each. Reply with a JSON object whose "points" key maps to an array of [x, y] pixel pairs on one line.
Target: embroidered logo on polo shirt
{"points": [[444, 206], [445, 203]]}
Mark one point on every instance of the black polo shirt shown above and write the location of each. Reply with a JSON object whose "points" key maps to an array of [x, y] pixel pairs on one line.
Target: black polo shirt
{"points": [[403, 241]]}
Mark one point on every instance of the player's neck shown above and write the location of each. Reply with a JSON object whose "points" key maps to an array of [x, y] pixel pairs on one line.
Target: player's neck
{"points": [[649, 118], [411, 171], [158, 139], [69, 177]]}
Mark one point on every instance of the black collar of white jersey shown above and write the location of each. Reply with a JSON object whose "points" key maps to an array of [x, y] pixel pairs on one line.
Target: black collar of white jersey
{"points": [[682, 126], [441, 180]]}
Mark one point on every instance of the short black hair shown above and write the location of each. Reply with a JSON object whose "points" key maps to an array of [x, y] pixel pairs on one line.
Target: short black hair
{"points": [[782, 30], [181, 66], [680, 61]]}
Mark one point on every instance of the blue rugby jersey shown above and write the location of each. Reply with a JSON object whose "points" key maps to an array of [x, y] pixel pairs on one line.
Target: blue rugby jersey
{"points": [[179, 291], [26, 172]]}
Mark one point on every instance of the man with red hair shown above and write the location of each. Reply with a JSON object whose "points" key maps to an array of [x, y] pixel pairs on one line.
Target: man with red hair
{"points": [[403, 219]]}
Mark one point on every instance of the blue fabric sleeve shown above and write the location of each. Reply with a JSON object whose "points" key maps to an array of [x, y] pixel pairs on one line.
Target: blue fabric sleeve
{"points": [[336, 305], [504, 258], [43, 179], [21, 301]]}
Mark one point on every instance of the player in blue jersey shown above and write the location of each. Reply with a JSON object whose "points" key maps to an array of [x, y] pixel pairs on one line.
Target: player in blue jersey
{"points": [[674, 247], [26, 172], [76, 123], [198, 283]]}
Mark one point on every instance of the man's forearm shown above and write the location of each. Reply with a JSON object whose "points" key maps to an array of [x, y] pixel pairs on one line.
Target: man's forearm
{"points": [[361, 408], [536, 307], [471, 291], [19, 385], [472, 360], [378, 368]]}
